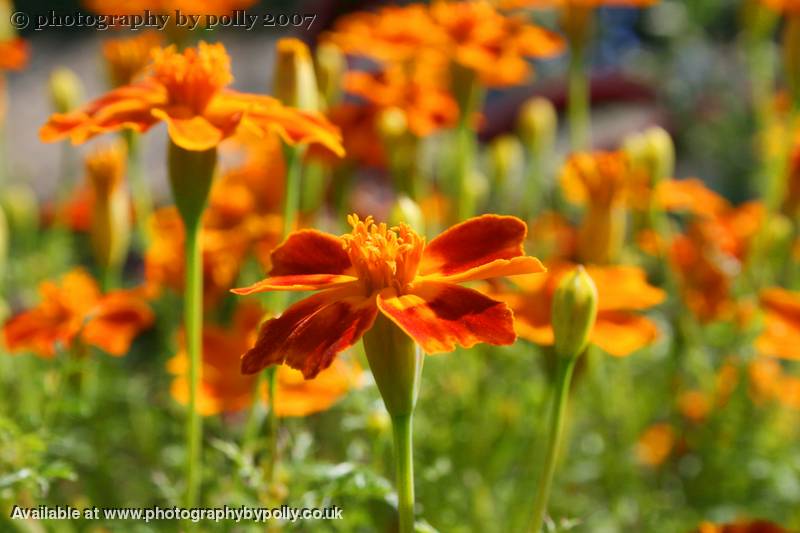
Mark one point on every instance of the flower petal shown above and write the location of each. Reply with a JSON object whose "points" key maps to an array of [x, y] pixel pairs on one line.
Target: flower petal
{"points": [[621, 334], [624, 288], [194, 133], [310, 252], [308, 282], [496, 269], [118, 318], [440, 315], [309, 334], [472, 244]]}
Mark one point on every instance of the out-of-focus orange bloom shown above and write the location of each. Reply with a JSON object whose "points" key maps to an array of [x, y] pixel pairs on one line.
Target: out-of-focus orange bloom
{"points": [[392, 271], [360, 135], [622, 290], [604, 183], [188, 91], [769, 383], [187, 7], [13, 54], [744, 526], [553, 237], [690, 196], [781, 335], [224, 389], [656, 444], [784, 6], [695, 405], [547, 4], [473, 34], [225, 245], [127, 59], [493, 45], [426, 105], [75, 309], [710, 255]]}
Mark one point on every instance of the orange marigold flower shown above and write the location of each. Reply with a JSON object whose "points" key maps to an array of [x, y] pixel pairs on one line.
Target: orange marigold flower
{"points": [[127, 59], [224, 389], [691, 196], [74, 310], [475, 34], [709, 256], [656, 444], [781, 335], [493, 45], [621, 290], [542, 4], [426, 105], [188, 91], [187, 7], [392, 271], [744, 526], [13, 54]]}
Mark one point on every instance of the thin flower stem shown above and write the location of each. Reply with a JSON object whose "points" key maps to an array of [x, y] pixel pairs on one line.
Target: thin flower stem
{"points": [[142, 200], [465, 141], [557, 418], [404, 461], [193, 312], [578, 104]]}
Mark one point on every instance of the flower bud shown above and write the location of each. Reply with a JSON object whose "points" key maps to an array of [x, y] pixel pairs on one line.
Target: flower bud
{"points": [[111, 223], [661, 154], [392, 123], [507, 159], [538, 125], [295, 81], [66, 90], [574, 312], [396, 363], [331, 64], [407, 210], [21, 209]]}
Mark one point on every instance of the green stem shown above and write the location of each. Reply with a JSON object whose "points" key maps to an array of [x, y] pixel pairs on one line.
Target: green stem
{"points": [[557, 418], [142, 200], [193, 312], [272, 424], [578, 104], [291, 203], [404, 461]]}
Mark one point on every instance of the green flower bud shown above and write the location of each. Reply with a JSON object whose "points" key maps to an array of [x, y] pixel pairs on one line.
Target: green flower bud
{"points": [[574, 312], [396, 363], [331, 64], [538, 124], [661, 151], [295, 80], [507, 159], [191, 174], [21, 209], [407, 210], [66, 90], [392, 123]]}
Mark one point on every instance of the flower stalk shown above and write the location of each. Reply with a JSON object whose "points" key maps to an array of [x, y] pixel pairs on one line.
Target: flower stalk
{"points": [[573, 317], [191, 174]]}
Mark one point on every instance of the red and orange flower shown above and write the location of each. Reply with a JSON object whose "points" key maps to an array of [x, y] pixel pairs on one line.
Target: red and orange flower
{"points": [[76, 310], [781, 335], [13, 54], [188, 91], [392, 271]]}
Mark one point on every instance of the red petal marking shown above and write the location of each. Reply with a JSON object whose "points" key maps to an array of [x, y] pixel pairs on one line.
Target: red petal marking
{"points": [[309, 334], [496, 269], [440, 315], [308, 282], [473, 243], [310, 252]]}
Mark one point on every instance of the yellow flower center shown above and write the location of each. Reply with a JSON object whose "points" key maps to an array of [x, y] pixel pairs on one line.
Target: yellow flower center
{"points": [[194, 77], [383, 256]]}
